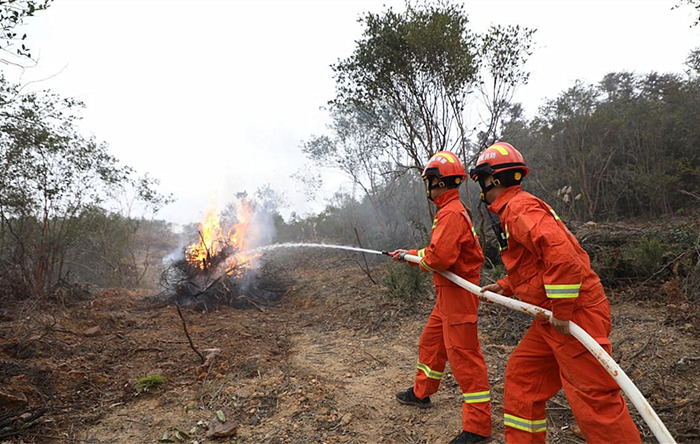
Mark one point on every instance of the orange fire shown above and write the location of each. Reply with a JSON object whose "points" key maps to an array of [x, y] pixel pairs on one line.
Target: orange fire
{"points": [[215, 241]]}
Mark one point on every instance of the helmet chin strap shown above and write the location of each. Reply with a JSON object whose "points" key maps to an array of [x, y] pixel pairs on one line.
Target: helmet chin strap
{"points": [[486, 188], [431, 187], [442, 183]]}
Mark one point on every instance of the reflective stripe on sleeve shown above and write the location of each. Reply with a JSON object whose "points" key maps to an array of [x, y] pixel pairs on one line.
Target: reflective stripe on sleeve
{"points": [[471, 398], [434, 223], [428, 372], [562, 291], [421, 252], [536, 426], [422, 264]]}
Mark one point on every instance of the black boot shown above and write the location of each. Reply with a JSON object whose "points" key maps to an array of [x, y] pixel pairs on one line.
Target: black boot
{"points": [[409, 398], [470, 438]]}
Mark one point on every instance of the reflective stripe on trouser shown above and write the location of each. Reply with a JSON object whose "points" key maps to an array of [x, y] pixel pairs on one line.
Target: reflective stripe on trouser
{"points": [[527, 425], [545, 361], [452, 335], [429, 373], [472, 398]]}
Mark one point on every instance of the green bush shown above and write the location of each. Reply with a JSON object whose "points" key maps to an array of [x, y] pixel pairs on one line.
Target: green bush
{"points": [[405, 282], [645, 256]]}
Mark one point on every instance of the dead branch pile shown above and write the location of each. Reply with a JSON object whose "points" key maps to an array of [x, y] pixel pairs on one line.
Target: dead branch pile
{"points": [[212, 287]]}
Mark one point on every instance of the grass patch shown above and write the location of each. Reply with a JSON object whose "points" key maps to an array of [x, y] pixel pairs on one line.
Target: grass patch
{"points": [[148, 382]]}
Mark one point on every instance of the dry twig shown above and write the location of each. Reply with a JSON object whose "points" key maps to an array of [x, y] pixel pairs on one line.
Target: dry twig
{"points": [[184, 327]]}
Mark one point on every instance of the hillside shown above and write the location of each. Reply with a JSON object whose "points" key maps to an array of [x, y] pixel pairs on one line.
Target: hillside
{"points": [[321, 365]]}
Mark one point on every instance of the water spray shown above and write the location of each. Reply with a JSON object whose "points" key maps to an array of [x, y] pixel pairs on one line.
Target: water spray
{"points": [[635, 396], [303, 245]]}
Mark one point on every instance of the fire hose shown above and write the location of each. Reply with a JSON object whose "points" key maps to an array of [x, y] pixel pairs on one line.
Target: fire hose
{"points": [[635, 396]]}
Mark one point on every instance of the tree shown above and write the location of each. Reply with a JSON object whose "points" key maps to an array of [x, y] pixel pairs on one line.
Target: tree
{"points": [[401, 96], [625, 147], [360, 154], [51, 178], [12, 14], [694, 4]]}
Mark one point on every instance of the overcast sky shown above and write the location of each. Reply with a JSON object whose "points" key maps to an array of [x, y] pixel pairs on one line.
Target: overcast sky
{"points": [[215, 97]]}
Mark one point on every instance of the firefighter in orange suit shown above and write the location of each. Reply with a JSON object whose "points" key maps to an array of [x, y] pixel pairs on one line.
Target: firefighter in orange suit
{"points": [[547, 267], [450, 333]]}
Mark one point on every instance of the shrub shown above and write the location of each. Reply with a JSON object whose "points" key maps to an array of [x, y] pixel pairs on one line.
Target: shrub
{"points": [[405, 282], [645, 257]]}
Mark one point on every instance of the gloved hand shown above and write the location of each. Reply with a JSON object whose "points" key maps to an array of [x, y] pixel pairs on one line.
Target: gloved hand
{"points": [[495, 288], [559, 325], [398, 255]]}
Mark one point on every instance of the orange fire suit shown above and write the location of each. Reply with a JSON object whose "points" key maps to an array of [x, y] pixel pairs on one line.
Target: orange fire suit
{"points": [[547, 267], [451, 333]]}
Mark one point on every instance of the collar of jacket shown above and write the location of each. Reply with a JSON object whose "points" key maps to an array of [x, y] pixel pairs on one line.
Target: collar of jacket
{"points": [[446, 197], [503, 198]]}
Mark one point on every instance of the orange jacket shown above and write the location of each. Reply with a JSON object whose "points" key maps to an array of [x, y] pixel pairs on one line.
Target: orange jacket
{"points": [[453, 243], [546, 265]]}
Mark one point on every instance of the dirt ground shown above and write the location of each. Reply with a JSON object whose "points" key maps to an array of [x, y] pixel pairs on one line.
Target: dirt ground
{"points": [[321, 365]]}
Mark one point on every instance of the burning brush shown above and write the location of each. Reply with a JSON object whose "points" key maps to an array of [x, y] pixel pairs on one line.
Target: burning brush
{"points": [[216, 270]]}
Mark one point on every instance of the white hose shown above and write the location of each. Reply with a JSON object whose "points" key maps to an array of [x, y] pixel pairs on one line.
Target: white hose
{"points": [[652, 419]]}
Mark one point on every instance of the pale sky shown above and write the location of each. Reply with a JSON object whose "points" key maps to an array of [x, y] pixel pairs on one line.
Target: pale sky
{"points": [[216, 97]]}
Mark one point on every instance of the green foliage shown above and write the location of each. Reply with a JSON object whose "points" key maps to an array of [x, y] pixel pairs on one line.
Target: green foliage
{"points": [[149, 382], [626, 147], [404, 282], [52, 183], [402, 95], [12, 14], [645, 257], [651, 255], [606, 263], [112, 250]]}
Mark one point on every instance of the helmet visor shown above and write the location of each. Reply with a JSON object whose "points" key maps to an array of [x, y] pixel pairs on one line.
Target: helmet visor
{"points": [[481, 170]]}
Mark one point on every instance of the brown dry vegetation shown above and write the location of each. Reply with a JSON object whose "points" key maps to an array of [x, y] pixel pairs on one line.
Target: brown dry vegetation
{"points": [[322, 365]]}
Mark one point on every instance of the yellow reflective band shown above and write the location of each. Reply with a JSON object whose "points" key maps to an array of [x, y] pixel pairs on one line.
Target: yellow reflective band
{"points": [[471, 398], [562, 286], [446, 156], [525, 424], [500, 149], [474, 232], [555, 214], [428, 372], [421, 252], [422, 264], [507, 232], [435, 222], [562, 291]]}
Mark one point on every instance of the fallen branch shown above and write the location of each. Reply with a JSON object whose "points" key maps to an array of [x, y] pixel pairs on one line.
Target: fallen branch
{"points": [[373, 357], [251, 302], [184, 327], [685, 359]]}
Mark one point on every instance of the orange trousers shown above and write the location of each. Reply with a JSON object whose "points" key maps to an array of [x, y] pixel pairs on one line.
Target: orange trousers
{"points": [[451, 335], [545, 361]]}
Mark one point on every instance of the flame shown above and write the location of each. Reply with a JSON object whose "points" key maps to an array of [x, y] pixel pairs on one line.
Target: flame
{"points": [[214, 241]]}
